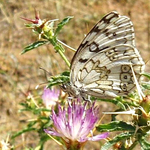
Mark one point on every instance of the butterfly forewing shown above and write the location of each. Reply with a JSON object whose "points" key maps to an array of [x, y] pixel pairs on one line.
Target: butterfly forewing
{"points": [[101, 66], [107, 32]]}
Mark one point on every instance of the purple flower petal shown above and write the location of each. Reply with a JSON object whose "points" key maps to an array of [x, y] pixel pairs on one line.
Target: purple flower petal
{"points": [[75, 122], [50, 97], [51, 132], [99, 137]]}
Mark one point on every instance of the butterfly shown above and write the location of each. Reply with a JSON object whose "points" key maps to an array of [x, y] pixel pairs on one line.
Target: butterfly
{"points": [[101, 66]]}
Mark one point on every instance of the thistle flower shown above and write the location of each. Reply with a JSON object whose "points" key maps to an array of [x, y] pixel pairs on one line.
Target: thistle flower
{"points": [[36, 21], [43, 27], [50, 97], [75, 123]]}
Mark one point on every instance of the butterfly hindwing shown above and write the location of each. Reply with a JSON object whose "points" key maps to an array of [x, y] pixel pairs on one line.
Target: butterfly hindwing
{"points": [[101, 75]]}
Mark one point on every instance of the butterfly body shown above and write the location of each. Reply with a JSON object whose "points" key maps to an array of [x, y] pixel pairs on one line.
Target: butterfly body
{"points": [[101, 66]]}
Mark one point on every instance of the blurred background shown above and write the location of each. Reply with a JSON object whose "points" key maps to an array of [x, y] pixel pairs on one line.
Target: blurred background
{"points": [[20, 74]]}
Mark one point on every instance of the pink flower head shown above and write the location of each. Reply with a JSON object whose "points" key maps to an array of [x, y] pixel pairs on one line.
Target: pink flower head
{"points": [[75, 122], [50, 97]]}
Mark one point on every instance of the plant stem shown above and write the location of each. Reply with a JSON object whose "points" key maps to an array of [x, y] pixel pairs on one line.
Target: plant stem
{"points": [[64, 57], [59, 49]]}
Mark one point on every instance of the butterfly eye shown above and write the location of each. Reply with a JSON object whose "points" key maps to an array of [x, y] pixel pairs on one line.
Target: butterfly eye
{"points": [[64, 87]]}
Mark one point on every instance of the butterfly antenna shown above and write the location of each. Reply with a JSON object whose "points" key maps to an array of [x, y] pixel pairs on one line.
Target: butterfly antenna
{"points": [[40, 85], [45, 71]]}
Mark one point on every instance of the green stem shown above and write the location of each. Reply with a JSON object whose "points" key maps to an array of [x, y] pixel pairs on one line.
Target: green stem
{"points": [[64, 57], [59, 49]]}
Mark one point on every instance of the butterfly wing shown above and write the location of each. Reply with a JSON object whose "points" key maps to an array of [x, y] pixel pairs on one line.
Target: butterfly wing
{"points": [[102, 64]]}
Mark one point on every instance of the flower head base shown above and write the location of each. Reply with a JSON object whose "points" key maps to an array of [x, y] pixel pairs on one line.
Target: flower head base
{"points": [[43, 27], [50, 97], [75, 122]]}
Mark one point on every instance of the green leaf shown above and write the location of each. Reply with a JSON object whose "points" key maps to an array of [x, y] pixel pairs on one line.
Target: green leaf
{"points": [[115, 126], [33, 45], [66, 73], [121, 102], [57, 80], [23, 131], [120, 137], [114, 101], [145, 145], [61, 24], [146, 75], [30, 25], [146, 86]]}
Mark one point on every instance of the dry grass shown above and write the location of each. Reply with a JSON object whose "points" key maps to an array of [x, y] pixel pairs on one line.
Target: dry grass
{"points": [[20, 73]]}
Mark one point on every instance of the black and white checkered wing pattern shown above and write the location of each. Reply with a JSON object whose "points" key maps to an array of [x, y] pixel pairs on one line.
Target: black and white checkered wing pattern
{"points": [[101, 66]]}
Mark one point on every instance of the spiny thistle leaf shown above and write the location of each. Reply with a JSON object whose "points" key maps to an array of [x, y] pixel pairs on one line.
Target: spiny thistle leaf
{"points": [[23, 131], [146, 86], [114, 101], [115, 126], [145, 145], [62, 23], [33, 46], [57, 80], [116, 139], [146, 75]]}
